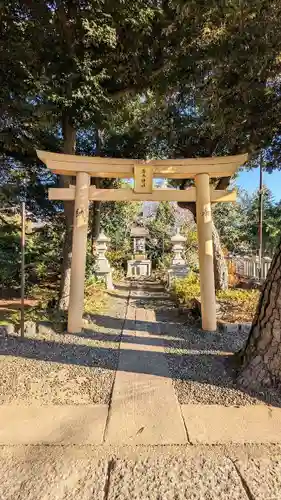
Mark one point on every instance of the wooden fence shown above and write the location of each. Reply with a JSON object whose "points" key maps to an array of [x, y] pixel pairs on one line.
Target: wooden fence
{"points": [[249, 266]]}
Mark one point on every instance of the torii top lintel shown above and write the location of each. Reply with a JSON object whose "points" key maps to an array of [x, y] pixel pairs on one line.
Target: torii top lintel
{"points": [[214, 166]]}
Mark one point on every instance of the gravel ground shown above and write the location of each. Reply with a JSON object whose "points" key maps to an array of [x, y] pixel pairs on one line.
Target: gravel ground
{"points": [[145, 473], [203, 369], [53, 368], [169, 479], [201, 363]]}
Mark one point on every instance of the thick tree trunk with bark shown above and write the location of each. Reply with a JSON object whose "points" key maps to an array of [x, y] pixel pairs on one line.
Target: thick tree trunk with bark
{"points": [[261, 356], [96, 207], [96, 211], [96, 214], [69, 135], [220, 267]]}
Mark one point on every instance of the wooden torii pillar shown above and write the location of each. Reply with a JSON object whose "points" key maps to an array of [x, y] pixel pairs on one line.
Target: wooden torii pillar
{"points": [[143, 172]]}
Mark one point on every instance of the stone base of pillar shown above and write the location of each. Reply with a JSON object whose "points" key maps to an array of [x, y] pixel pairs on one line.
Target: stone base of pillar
{"points": [[137, 268], [109, 282], [177, 271], [104, 271]]}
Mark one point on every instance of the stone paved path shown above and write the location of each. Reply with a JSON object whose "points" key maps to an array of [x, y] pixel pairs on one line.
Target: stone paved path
{"points": [[144, 408], [144, 445]]}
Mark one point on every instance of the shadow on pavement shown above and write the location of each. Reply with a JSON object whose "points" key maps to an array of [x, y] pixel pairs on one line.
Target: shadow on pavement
{"points": [[212, 368]]}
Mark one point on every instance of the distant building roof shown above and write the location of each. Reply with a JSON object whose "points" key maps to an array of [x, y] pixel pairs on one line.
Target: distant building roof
{"points": [[139, 232]]}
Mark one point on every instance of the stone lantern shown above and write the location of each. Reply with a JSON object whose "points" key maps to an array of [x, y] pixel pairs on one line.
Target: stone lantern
{"points": [[179, 267], [139, 265], [102, 267]]}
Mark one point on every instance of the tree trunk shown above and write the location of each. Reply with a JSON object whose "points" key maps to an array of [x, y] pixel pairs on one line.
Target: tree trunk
{"points": [[220, 266], [96, 220], [69, 135], [261, 356], [96, 207], [96, 213]]}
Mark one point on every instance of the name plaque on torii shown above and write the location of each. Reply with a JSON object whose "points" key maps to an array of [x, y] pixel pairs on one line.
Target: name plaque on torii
{"points": [[142, 172]]}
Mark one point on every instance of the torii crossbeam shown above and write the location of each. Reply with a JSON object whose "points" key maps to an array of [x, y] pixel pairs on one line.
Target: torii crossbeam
{"points": [[143, 172]]}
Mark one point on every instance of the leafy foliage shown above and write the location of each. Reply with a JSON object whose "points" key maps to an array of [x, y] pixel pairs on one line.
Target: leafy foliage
{"points": [[187, 289], [164, 79], [95, 298], [237, 305], [160, 226], [271, 220], [238, 295], [232, 222], [238, 223], [116, 221], [42, 251], [9, 251], [234, 304], [191, 245]]}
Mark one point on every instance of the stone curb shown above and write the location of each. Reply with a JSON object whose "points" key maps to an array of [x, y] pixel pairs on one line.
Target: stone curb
{"points": [[225, 327], [65, 424], [30, 328], [8, 329], [217, 424]]}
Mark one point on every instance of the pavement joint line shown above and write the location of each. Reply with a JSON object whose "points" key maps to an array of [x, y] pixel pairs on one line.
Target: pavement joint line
{"points": [[185, 426], [106, 490], [179, 406], [244, 483], [113, 384]]}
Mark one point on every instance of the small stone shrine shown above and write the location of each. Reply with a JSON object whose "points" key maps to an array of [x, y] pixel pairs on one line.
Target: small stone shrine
{"points": [[102, 267], [139, 265], [179, 267]]}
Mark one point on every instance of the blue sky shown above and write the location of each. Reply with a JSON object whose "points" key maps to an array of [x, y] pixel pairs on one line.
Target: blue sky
{"points": [[250, 181]]}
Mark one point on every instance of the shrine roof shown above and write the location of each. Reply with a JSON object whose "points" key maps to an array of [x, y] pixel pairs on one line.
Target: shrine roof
{"points": [[141, 232]]}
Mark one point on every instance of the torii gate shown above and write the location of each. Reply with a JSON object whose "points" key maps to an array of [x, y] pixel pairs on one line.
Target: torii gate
{"points": [[143, 172]]}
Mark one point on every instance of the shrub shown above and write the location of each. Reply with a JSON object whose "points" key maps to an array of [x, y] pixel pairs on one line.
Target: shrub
{"points": [[186, 290], [238, 295], [95, 296], [117, 258], [237, 304], [161, 270], [118, 274], [191, 245]]}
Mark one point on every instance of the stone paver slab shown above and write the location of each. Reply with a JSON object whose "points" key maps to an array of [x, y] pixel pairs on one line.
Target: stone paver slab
{"points": [[56, 479], [52, 424], [143, 411], [144, 408], [175, 478], [213, 424], [263, 477]]}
